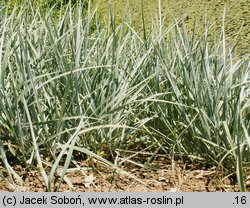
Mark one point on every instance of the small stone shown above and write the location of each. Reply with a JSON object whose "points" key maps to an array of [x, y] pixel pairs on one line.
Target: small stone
{"points": [[10, 187]]}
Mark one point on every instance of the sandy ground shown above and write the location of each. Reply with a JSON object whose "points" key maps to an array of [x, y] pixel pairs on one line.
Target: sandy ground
{"points": [[167, 177]]}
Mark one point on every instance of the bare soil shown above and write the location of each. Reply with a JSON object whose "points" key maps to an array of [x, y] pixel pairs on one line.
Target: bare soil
{"points": [[162, 176]]}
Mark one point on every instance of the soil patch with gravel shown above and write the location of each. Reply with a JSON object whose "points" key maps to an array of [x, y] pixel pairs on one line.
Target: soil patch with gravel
{"points": [[167, 177]]}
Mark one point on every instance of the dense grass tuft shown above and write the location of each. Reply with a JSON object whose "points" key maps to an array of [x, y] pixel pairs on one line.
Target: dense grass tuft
{"points": [[70, 86]]}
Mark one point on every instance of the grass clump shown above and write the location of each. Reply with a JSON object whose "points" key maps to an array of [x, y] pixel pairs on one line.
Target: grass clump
{"points": [[67, 88]]}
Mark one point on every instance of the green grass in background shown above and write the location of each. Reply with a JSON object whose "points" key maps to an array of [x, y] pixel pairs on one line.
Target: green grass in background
{"points": [[200, 13]]}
